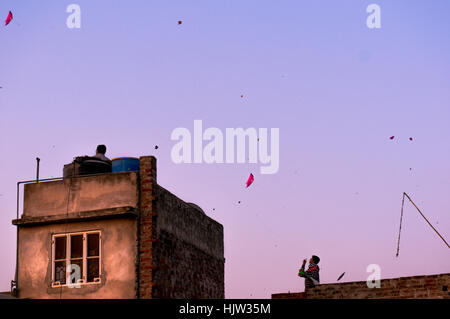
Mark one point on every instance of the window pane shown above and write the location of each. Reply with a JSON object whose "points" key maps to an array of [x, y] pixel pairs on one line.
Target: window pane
{"points": [[93, 245], [93, 269], [60, 272], [60, 248], [76, 246], [74, 275]]}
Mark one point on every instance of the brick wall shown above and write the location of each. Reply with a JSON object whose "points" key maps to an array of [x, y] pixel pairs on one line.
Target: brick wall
{"points": [[188, 252], [423, 287], [289, 295], [181, 252], [146, 236]]}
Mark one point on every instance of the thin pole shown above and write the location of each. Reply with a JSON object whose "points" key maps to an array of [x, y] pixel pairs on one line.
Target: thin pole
{"points": [[17, 205], [400, 229], [426, 220], [401, 216], [37, 169]]}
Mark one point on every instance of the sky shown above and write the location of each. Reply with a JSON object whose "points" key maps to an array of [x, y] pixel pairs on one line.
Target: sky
{"points": [[336, 89]]}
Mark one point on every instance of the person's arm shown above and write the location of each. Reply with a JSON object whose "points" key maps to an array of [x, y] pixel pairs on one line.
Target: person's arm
{"points": [[301, 271]]}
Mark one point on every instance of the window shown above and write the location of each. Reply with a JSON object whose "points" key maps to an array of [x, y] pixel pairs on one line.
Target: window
{"points": [[80, 249]]}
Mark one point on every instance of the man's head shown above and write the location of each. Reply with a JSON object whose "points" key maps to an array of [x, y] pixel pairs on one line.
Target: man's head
{"points": [[314, 260], [101, 149]]}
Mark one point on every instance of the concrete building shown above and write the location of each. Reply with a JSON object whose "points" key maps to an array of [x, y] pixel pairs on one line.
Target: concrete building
{"points": [[415, 287], [116, 235]]}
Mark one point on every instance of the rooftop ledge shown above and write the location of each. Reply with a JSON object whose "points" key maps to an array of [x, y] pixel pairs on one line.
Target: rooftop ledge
{"points": [[117, 212]]}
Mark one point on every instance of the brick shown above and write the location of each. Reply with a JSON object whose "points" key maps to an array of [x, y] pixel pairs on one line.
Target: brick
{"points": [[146, 267], [404, 287], [165, 256]]}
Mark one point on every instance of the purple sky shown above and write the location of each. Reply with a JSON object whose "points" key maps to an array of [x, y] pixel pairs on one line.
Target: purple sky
{"points": [[336, 89]]}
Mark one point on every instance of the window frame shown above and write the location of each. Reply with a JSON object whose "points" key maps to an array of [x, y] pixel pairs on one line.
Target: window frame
{"points": [[84, 258]]}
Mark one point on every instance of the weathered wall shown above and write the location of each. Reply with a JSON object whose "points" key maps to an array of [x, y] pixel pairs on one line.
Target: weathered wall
{"points": [[147, 168], [118, 278], [424, 287], [172, 250], [84, 193], [188, 251]]}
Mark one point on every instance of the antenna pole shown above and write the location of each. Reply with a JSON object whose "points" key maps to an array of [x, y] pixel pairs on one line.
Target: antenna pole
{"points": [[37, 169], [426, 220]]}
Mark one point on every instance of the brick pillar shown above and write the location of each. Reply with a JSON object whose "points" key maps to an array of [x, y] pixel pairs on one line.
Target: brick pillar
{"points": [[147, 171]]}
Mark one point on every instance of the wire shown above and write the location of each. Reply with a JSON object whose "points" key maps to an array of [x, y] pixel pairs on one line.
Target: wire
{"points": [[401, 216]]}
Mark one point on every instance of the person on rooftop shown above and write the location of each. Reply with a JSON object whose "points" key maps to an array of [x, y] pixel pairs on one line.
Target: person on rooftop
{"points": [[312, 274], [100, 153]]}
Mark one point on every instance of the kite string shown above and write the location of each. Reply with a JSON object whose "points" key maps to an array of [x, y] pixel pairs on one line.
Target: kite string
{"points": [[404, 194]]}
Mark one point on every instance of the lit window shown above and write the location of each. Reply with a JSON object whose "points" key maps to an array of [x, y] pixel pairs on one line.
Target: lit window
{"points": [[76, 258]]}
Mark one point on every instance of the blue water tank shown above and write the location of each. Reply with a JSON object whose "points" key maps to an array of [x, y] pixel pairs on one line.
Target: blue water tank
{"points": [[125, 164]]}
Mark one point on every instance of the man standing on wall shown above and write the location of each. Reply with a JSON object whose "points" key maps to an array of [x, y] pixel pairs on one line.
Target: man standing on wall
{"points": [[312, 274]]}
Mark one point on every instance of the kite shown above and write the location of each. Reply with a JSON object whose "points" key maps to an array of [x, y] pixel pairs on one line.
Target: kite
{"points": [[392, 137], [250, 180], [8, 18], [341, 276], [179, 22], [156, 147], [410, 138]]}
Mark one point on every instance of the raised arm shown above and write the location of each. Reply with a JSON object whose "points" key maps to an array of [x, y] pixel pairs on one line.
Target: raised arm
{"points": [[301, 271]]}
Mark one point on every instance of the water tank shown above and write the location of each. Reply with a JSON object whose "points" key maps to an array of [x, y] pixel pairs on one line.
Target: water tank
{"points": [[125, 164], [86, 165]]}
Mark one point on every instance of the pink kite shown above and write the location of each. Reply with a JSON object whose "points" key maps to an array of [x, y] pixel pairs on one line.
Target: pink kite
{"points": [[250, 180], [392, 137], [8, 18]]}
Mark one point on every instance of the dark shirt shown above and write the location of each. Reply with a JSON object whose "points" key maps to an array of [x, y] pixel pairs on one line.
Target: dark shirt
{"points": [[102, 157], [311, 275]]}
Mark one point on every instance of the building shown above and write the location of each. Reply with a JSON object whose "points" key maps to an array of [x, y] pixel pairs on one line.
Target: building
{"points": [[6, 295], [415, 287], [116, 235]]}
